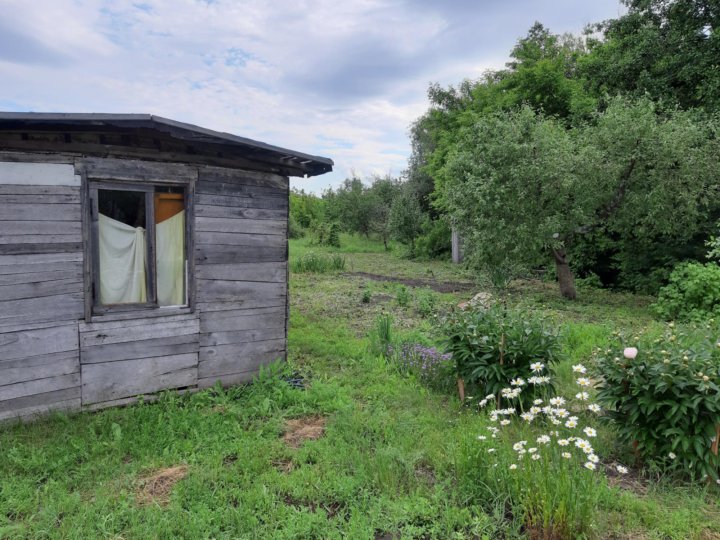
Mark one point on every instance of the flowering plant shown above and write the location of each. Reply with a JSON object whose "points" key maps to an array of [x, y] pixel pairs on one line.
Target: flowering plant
{"points": [[665, 398], [492, 346], [431, 367], [544, 456]]}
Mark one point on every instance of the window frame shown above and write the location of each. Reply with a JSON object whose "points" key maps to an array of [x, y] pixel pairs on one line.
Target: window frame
{"points": [[143, 183]]}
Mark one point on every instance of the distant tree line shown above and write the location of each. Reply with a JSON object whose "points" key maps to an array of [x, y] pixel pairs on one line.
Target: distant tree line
{"points": [[596, 154]]}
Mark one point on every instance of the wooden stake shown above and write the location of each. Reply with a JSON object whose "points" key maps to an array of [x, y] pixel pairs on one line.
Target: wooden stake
{"points": [[716, 442], [461, 389]]}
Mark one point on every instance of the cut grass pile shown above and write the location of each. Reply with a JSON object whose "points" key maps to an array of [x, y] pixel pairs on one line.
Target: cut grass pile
{"points": [[361, 452]]}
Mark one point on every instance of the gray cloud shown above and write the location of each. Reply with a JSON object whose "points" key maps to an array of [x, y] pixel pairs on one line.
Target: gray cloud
{"points": [[23, 48]]}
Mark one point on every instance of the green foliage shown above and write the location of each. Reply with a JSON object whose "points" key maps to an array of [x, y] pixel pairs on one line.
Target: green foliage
{"points": [[435, 240], [403, 296], [406, 219], [666, 401], [327, 234], [491, 347], [318, 263], [366, 296], [693, 293], [381, 335], [306, 209], [548, 186], [426, 302], [295, 231], [428, 365]]}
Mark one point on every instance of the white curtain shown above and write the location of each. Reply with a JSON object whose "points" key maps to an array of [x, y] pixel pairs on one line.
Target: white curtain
{"points": [[122, 262], [170, 260]]}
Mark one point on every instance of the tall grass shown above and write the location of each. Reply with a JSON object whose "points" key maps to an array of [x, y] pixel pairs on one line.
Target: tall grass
{"points": [[318, 263]]}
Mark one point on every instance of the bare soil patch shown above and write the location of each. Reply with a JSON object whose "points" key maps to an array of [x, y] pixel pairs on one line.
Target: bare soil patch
{"points": [[157, 487], [438, 286], [299, 430]]}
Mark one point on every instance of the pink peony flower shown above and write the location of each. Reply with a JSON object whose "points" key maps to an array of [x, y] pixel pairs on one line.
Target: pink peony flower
{"points": [[630, 352]]}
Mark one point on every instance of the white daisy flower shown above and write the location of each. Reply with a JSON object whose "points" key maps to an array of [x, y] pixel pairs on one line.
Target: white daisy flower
{"points": [[537, 367], [563, 442], [566, 455], [528, 417], [543, 439], [535, 410], [518, 446], [536, 456], [593, 458], [594, 407], [517, 382], [579, 368], [557, 401], [513, 467], [504, 422], [590, 432], [532, 450], [491, 450], [583, 381], [571, 423], [584, 396], [561, 413], [672, 455], [621, 469], [482, 437], [590, 465], [538, 402]]}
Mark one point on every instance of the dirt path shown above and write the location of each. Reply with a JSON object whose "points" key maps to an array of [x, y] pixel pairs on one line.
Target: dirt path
{"points": [[438, 286]]}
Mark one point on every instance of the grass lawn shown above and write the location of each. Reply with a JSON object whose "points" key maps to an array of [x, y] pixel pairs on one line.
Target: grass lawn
{"points": [[215, 464]]}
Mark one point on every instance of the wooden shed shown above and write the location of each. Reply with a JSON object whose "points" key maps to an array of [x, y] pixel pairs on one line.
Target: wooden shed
{"points": [[137, 254]]}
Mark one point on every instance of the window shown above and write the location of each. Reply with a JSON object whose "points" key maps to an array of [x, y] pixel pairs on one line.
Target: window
{"points": [[139, 246]]}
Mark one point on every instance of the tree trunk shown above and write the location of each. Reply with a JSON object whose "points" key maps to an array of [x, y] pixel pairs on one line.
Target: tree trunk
{"points": [[565, 276]]}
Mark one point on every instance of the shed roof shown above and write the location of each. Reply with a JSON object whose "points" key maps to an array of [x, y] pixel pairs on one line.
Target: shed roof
{"points": [[294, 162]]}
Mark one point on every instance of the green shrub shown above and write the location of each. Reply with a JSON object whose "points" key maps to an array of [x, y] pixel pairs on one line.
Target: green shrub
{"points": [[326, 234], [693, 292], [403, 296], [435, 241], [381, 336], [294, 229], [666, 400], [430, 366], [491, 347], [366, 296], [425, 301], [318, 263]]}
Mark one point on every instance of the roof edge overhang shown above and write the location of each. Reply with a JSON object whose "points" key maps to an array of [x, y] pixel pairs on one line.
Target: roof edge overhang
{"points": [[306, 164]]}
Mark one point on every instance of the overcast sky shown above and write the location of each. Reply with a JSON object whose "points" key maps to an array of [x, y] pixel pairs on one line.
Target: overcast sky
{"points": [[338, 78]]}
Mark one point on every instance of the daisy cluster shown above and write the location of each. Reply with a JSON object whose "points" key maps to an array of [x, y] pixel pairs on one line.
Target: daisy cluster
{"points": [[575, 435]]}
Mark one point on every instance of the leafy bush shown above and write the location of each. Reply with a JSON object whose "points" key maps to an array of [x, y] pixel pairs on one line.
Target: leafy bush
{"points": [[403, 296], [693, 292], [493, 346], [327, 234], [431, 367], [366, 296], [294, 229], [666, 399], [381, 336], [541, 462], [425, 301], [435, 240], [318, 263]]}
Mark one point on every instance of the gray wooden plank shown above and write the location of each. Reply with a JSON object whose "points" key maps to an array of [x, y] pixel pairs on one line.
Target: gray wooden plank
{"points": [[221, 174], [238, 357], [39, 404], [223, 291], [10, 228], [240, 303], [211, 339], [38, 174], [147, 314], [27, 343], [35, 248], [44, 239], [35, 193], [224, 254], [37, 198], [242, 319], [272, 272], [114, 380], [140, 170], [38, 258], [40, 212], [39, 361], [36, 157], [237, 189], [230, 379], [40, 288], [239, 239], [113, 325], [246, 226], [68, 366], [63, 307], [21, 277], [266, 203], [155, 328], [38, 386], [238, 213], [145, 348]]}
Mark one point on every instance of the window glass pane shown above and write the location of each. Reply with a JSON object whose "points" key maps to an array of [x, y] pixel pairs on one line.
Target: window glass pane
{"points": [[170, 247], [122, 247]]}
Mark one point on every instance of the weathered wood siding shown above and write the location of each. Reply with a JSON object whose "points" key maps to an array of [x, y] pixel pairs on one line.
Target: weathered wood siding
{"points": [[41, 288], [241, 272], [52, 358]]}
